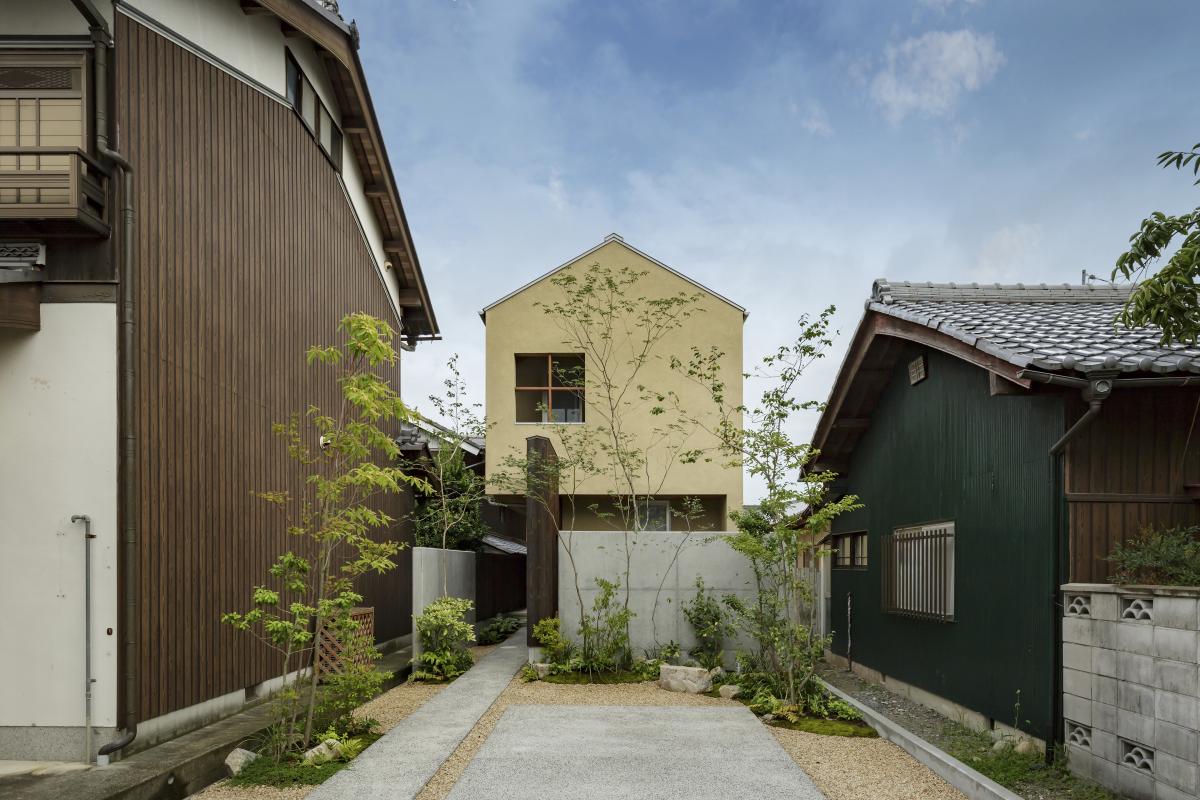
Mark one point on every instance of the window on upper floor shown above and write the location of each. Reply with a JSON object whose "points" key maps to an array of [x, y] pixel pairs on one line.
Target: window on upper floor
{"points": [[304, 100], [918, 572], [550, 388]]}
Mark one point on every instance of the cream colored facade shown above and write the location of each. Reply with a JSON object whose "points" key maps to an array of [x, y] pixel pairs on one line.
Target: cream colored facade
{"points": [[518, 326]]}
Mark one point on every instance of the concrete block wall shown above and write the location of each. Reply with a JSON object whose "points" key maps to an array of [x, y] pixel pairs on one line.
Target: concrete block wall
{"points": [[1130, 708]]}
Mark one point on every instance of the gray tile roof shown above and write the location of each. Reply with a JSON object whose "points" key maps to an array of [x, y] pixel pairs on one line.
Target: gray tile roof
{"points": [[1058, 327], [505, 545]]}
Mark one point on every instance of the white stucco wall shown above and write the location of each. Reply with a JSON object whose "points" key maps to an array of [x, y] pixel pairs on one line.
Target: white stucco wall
{"points": [[58, 424], [662, 577]]}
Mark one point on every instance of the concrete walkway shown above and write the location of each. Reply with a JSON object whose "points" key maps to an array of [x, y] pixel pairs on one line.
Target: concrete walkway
{"points": [[646, 752], [397, 766]]}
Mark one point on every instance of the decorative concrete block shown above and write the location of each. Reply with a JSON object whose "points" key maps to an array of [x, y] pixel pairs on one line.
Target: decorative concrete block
{"points": [[1077, 709], [1077, 630], [1077, 656], [1105, 606], [1104, 717], [1175, 771], [1105, 744], [1077, 682], [1134, 726], [1135, 637], [1104, 689], [1174, 739], [1179, 709], [1133, 697], [1175, 676], [1134, 785], [1104, 661], [1173, 643], [1135, 668], [1175, 612]]}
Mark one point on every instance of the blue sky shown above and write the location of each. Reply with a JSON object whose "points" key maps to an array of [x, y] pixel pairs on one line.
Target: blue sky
{"points": [[783, 153]]}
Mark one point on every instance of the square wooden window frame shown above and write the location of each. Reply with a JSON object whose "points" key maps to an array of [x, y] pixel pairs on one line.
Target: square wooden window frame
{"points": [[550, 390]]}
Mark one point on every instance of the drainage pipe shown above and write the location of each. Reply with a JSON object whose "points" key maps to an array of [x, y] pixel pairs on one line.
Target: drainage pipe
{"points": [[87, 634], [102, 41]]}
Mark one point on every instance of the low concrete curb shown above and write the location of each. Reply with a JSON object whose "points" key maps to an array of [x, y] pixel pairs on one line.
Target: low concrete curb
{"points": [[954, 772], [399, 765]]}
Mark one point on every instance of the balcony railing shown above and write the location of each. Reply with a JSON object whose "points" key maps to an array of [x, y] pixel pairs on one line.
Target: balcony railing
{"points": [[53, 189]]}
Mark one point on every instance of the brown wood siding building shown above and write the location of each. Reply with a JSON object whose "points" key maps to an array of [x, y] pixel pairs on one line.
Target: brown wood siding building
{"points": [[1127, 470], [247, 251]]}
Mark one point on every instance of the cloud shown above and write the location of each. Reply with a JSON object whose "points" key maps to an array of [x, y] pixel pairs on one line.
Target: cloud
{"points": [[815, 120], [927, 74], [942, 6], [1005, 255]]}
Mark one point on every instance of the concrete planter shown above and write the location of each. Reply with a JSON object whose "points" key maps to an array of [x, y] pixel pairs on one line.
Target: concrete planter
{"points": [[1130, 667]]}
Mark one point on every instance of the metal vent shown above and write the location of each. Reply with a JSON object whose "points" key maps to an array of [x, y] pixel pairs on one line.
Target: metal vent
{"points": [[22, 254], [45, 78]]}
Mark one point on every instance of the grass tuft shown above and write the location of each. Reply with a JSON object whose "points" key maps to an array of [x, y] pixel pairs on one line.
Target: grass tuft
{"points": [[1027, 774]]}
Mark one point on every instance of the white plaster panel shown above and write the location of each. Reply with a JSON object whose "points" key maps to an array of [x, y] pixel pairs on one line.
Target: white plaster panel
{"points": [[58, 422]]}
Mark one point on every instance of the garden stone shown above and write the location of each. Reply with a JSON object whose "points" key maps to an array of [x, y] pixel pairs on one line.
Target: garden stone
{"points": [[236, 761], [730, 691], [327, 750], [693, 680], [1024, 747], [542, 670]]}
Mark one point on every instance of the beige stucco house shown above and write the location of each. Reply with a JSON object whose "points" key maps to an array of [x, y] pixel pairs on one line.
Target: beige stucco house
{"points": [[541, 384]]}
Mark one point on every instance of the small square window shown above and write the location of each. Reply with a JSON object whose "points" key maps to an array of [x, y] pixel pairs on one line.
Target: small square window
{"points": [[550, 388], [850, 550]]}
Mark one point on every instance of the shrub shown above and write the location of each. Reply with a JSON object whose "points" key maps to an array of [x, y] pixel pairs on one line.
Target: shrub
{"points": [[498, 629], [1166, 556], [444, 634], [605, 632], [356, 683], [556, 648], [708, 622]]}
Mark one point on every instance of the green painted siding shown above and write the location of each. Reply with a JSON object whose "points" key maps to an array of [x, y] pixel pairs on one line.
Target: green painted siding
{"points": [[947, 450]]}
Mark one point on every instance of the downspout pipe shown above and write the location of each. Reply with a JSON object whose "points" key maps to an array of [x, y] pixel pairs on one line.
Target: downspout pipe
{"points": [[102, 41], [87, 634]]}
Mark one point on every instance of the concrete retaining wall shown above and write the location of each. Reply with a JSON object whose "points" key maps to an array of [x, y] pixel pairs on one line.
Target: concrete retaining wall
{"points": [[1130, 688], [663, 570]]}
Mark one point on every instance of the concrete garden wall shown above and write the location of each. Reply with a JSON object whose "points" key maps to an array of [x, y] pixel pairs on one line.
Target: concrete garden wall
{"points": [[427, 583], [664, 567], [1129, 688]]}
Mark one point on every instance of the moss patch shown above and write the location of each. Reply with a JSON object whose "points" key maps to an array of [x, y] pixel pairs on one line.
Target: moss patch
{"points": [[579, 678], [263, 772], [828, 727]]}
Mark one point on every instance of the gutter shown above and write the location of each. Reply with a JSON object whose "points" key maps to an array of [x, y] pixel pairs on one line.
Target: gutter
{"points": [[102, 41]]}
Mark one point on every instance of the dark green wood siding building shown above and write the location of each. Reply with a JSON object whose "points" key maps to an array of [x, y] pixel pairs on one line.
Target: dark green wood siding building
{"points": [[948, 449]]}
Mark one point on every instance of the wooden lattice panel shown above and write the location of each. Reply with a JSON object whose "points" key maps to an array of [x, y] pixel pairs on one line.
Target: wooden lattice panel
{"points": [[329, 655]]}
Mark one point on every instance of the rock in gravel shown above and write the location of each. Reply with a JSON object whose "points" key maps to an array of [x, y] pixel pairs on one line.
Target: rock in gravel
{"points": [[236, 761], [327, 750], [693, 680], [542, 670], [1025, 747], [730, 691]]}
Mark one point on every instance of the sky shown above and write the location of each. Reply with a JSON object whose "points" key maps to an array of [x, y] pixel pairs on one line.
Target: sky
{"points": [[785, 154]]}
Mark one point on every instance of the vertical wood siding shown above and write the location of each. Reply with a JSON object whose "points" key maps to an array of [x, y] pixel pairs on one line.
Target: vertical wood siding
{"points": [[945, 450], [247, 252], [1126, 471]]}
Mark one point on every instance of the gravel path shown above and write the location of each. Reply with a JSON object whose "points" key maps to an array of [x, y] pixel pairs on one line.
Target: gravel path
{"points": [[837, 765]]}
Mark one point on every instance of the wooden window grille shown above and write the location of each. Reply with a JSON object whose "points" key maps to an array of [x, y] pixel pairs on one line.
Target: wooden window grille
{"points": [[918, 572], [550, 388]]}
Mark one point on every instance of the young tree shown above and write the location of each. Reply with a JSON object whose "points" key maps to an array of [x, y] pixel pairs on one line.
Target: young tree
{"points": [[795, 511], [449, 515], [1170, 298], [346, 462]]}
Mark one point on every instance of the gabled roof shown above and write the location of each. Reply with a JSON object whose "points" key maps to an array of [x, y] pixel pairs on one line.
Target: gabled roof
{"points": [[618, 239], [337, 44], [1018, 333], [1059, 327], [425, 433]]}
